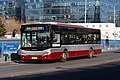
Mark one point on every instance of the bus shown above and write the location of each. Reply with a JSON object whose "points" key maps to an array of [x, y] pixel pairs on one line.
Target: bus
{"points": [[52, 40]]}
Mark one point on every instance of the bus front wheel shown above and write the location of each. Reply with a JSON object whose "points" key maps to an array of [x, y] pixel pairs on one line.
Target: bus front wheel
{"points": [[64, 57]]}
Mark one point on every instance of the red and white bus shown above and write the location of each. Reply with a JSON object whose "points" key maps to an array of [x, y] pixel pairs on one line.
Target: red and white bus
{"points": [[50, 41]]}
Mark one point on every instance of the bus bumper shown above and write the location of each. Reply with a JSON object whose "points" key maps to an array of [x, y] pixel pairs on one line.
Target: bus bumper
{"points": [[29, 57]]}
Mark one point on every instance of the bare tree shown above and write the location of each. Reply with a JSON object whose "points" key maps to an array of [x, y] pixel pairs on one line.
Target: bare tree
{"points": [[2, 29], [11, 24]]}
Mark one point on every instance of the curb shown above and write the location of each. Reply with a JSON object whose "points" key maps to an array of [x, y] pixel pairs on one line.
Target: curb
{"points": [[6, 61], [3, 61], [109, 50]]}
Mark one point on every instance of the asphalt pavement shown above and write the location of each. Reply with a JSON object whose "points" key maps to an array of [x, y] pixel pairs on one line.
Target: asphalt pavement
{"points": [[108, 71], [104, 67]]}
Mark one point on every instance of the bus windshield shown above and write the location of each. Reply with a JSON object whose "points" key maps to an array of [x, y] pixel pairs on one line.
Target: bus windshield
{"points": [[36, 38]]}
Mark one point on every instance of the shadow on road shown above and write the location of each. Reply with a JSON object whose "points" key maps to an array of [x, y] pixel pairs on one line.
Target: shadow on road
{"points": [[110, 71], [47, 61], [116, 51]]}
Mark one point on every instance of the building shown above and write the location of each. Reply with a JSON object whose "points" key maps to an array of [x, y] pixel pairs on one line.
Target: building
{"points": [[69, 11], [116, 16], [59, 10], [9, 9], [3, 7]]}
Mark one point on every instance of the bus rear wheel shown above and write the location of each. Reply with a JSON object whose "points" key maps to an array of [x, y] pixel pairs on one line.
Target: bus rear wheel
{"points": [[64, 57], [91, 53]]}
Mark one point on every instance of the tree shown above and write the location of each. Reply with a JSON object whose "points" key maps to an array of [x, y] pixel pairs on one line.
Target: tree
{"points": [[2, 29], [12, 24]]}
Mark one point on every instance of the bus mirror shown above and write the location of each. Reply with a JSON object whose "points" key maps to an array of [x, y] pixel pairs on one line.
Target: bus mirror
{"points": [[54, 40]]}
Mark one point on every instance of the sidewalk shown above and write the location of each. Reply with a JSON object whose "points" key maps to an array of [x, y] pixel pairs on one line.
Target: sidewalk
{"points": [[3, 60], [110, 49]]}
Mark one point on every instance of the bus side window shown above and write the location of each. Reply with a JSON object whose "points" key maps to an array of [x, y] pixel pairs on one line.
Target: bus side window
{"points": [[72, 40], [94, 39], [56, 39], [64, 38], [78, 39]]}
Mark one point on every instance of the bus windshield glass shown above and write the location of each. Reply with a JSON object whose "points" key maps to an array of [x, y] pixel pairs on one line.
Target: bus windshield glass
{"points": [[35, 36]]}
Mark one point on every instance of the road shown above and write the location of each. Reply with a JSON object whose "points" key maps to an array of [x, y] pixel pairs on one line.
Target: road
{"points": [[103, 67]]}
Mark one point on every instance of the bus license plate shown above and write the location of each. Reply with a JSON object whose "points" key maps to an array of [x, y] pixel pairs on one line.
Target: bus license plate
{"points": [[34, 57]]}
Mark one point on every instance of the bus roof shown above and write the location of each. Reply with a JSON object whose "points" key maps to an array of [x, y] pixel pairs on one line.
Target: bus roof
{"points": [[69, 25], [59, 24]]}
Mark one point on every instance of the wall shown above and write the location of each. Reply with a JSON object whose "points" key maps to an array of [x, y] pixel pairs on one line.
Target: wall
{"points": [[8, 46]]}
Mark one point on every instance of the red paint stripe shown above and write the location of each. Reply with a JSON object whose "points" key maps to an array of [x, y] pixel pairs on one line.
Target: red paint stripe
{"points": [[58, 55]]}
